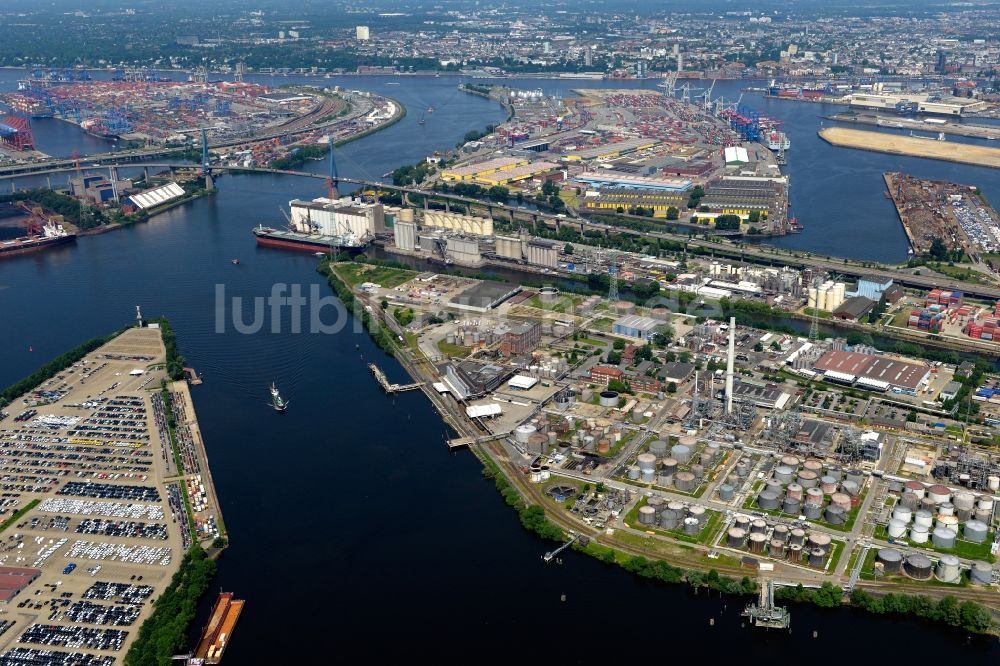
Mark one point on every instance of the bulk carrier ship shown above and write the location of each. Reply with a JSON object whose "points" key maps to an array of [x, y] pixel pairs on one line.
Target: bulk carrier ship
{"points": [[321, 225], [52, 234]]}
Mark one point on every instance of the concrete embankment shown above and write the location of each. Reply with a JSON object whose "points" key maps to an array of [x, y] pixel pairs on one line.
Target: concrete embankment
{"points": [[895, 144]]}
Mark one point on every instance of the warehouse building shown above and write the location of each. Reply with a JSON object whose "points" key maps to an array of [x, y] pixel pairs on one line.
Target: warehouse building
{"points": [[877, 373], [613, 198], [156, 196], [872, 287], [484, 296], [740, 197], [736, 155], [464, 250], [611, 150], [515, 174], [14, 579], [471, 171], [636, 326], [854, 308], [616, 179]]}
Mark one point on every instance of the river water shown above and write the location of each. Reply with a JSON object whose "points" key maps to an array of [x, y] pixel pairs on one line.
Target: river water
{"points": [[354, 530]]}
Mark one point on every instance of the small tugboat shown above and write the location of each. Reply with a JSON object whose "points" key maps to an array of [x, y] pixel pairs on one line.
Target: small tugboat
{"points": [[277, 401], [236, 262]]}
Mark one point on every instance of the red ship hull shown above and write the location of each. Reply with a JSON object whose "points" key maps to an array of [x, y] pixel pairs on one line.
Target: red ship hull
{"points": [[28, 246]]}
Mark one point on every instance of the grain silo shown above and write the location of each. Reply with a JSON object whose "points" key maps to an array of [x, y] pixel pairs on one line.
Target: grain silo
{"points": [[918, 566]]}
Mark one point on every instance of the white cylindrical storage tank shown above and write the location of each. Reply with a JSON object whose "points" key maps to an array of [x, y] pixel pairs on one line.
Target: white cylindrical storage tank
{"points": [[985, 504], [851, 488], [946, 509], [943, 537], [691, 525], [949, 569], [903, 514], [919, 533], [951, 522], [647, 475], [828, 485], [633, 472], [897, 528], [939, 494], [523, 433], [993, 483], [964, 501], [975, 531], [609, 398], [916, 488], [647, 515], [925, 518]]}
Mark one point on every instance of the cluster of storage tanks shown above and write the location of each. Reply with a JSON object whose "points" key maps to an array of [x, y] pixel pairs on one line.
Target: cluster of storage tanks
{"points": [[918, 566], [673, 515], [934, 514], [682, 466], [593, 436], [779, 542], [802, 488]]}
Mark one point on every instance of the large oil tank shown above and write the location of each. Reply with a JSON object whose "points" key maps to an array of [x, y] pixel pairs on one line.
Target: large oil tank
{"points": [[684, 481], [951, 522], [975, 531], [780, 532], [918, 566], [669, 466], [843, 500], [757, 543], [812, 511], [794, 490], [776, 548], [949, 569], [647, 475], [819, 540], [768, 500], [791, 506], [854, 475], [742, 469], [523, 433], [647, 461], [939, 494], [647, 515], [835, 471], [851, 488], [665, 480], [726, 492], [758, 526], [658, 448], [697, 512], [946, 509], [633, 472], [925, 518], [909, 500], [891, 559], [790, 461], [836, 515], [814, 466], [736, 537], [698, 471], [984, 504], [609, 398], [896, 528], [916, 488], [784, 474], [903, 514], [993, 483], [919, 533], [743, 522], [669, 519], [981, 572], [807, 479], [814, 496], [816, 557], [943, 537], [680, 452], [794, 553], [963, 500], [828, 485], [691, 526]]}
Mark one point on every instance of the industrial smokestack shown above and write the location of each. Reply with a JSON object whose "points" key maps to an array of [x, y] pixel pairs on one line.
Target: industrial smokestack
{"points": [[730, 359]]}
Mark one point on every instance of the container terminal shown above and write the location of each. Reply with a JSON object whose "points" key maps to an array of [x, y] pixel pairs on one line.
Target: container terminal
{"points": [[95, 511]]}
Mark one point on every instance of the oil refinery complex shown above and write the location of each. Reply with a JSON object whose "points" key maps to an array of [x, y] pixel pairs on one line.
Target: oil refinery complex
{"points": [[107, 487]]}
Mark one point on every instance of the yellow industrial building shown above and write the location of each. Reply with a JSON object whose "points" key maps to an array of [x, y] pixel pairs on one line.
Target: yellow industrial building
{"points": [[477, 171]]}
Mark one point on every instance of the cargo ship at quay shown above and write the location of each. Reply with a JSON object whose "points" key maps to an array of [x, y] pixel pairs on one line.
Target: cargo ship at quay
{"points": [[325, 224], [52, 234]]}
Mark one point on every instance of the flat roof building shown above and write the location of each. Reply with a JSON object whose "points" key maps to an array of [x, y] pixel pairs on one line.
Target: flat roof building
{"points": [[14, 579], [636, 326], [484, 296]]}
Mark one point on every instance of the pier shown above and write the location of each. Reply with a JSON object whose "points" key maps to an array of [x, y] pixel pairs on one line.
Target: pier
{"points": [[392, 388], [764, 613], [548, 557]]}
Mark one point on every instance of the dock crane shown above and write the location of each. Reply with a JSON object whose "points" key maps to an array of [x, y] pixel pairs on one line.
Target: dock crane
{"points": [[332, 180], [708, 97]]}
